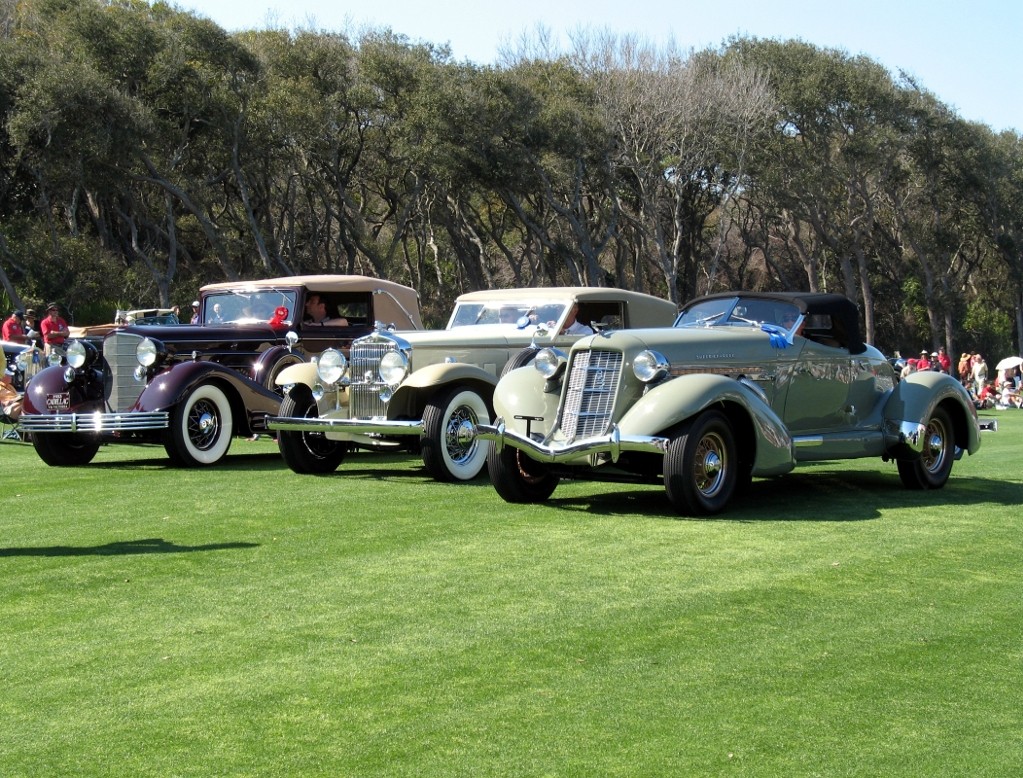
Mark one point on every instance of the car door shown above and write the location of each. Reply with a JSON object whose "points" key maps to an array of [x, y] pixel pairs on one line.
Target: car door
{"points": [[819, 388]]}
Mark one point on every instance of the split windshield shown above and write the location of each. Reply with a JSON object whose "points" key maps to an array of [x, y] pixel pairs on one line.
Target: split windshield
{"points": [[740, 312], [247, 306], [510, 313]]}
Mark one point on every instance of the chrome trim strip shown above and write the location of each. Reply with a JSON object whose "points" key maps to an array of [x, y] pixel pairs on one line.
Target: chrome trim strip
{"points": [[614, 443], [377, 426], [805, 441], [94, 422]]}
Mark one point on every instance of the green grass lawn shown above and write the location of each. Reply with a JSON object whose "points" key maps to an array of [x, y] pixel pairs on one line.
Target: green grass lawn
{"points": [[249, 621]]}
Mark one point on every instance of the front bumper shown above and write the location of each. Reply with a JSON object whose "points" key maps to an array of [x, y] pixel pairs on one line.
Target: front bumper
{"points": [[613, 444], [385, 427], [96, 421]]}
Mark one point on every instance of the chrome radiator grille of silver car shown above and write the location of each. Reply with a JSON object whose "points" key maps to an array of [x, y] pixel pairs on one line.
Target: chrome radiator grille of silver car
{"points": [[119, 352], [364, 392], [590, 395]]}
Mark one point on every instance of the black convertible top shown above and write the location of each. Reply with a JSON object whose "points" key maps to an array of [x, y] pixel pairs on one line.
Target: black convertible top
{"points": [[827, 316]]}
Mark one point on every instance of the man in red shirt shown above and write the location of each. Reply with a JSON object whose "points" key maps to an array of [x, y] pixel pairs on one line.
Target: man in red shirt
{"points": [[945, 360], [13, 329], [54, 329]]}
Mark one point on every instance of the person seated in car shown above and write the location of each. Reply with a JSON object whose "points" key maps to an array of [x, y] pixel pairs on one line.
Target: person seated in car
{"points": [[789, 319], [573, 327], [316, 313]]}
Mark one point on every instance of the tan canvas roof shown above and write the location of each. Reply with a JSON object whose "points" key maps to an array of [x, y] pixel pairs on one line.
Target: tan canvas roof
{"points": [[388, 305], [644, 310]]}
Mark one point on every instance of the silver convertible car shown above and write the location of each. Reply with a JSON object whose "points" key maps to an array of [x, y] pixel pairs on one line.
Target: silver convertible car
{"points": [[743, 385], [429, 389]]}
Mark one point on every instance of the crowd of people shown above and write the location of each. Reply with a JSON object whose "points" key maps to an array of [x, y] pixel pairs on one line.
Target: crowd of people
{"points": [[998, 391]]}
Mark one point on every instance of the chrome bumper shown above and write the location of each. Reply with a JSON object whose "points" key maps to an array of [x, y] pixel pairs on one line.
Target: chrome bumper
{"points": [[389, 427], [94, 422], [614, 443]]}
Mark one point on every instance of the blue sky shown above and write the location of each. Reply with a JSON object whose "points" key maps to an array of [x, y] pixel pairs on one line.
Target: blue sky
{"points": [[970, 54]]}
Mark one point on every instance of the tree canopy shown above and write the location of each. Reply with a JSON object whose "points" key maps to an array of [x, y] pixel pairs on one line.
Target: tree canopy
{"points": [[146, 152]]}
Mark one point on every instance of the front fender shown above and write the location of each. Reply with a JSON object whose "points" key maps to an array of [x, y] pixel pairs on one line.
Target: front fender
{"points": [[304, 373], [50, 381], [916, 396], [521, 393], [416, 390], [672, 402], [447, 373], [170, 387]]}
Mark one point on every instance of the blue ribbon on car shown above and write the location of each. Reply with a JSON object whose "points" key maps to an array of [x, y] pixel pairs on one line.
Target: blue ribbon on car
{"points": [[779, 336]]}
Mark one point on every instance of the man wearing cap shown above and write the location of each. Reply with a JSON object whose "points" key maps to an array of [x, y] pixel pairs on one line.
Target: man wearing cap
{"points": [[195, 312], [54, 329], [14, 329], [31, 325]]}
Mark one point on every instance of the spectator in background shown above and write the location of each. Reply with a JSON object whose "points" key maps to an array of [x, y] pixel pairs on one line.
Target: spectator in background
{"points": [[964, 369], [31, 325], [978, 372], [195, 312], [945, 361], [1009, 396], [924, 362], [14, 328], [54, 330], [986, 397]]}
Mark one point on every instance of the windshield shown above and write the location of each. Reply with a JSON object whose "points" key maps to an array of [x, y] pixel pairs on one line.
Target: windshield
{"points": [[247, 306], [740, 312], [509, 313]]}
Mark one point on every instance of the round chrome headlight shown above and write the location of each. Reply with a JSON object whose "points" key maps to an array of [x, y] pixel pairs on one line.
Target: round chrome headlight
{"points": [[53, 359], [331, 366], [649, 366], [76, 354], [393, 367], [146, 352], [548, 361], [22, 361]]}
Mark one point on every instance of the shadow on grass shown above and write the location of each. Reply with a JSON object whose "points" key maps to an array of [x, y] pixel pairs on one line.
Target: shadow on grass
{"points": [[146, 546], [811, 497], [361, 464]]}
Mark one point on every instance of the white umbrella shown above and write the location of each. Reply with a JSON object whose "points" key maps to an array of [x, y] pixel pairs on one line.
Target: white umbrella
{"points": [[1009, 363]]}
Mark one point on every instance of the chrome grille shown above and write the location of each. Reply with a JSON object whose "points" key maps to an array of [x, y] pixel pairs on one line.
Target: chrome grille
{"points": [[364, 392], [590, 394], [119, 353]]}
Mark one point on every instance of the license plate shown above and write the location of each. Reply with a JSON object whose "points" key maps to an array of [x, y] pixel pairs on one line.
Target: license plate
{"points": [[61, 401]]}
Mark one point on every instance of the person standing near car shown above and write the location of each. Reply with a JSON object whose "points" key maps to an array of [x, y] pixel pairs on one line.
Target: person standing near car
{"points": [[54, 329], [14, 329]]}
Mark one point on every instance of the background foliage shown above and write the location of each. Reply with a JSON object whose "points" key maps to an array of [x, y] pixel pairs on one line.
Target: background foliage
{"points": [[146, 152]]}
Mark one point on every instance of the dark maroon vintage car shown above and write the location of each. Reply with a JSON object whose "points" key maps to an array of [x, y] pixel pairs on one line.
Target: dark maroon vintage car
{"points": [[192, 387]]}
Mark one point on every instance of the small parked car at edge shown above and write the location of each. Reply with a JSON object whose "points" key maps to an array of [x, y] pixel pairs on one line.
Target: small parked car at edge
{"points": [[429, 389], [192, 387], [743, 385]]}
